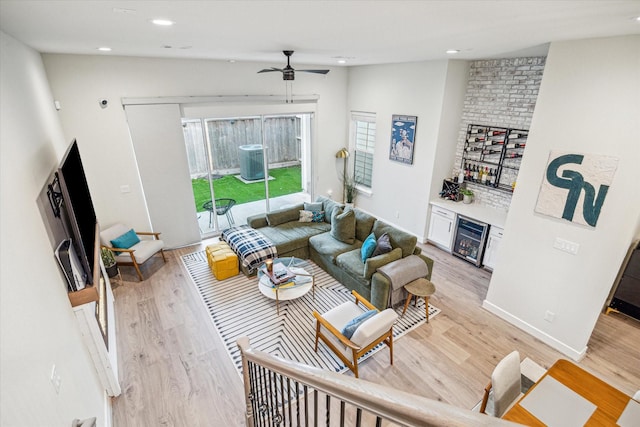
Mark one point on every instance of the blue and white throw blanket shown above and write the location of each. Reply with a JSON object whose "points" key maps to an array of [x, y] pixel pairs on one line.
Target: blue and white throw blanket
{"points": [[251, 246]]}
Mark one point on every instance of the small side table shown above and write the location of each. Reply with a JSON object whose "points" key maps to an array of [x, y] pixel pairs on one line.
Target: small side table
{"points": [[419, 288]]}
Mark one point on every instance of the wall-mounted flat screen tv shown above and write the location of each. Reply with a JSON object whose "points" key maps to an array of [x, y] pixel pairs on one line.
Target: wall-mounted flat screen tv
{"points": [[79, 206]]}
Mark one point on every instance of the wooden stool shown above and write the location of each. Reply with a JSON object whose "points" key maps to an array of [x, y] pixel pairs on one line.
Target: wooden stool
{"points": [[419, 288]]}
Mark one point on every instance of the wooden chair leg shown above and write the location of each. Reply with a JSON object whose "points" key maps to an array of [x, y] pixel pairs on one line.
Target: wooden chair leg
{"points": [[163, 257], [135, 264], [485, 398], [355, 363], [317, 336], [406, 304], [426, 307], [391, 347]]}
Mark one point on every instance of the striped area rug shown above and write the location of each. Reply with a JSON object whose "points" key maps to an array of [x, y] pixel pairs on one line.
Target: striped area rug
{"points": [[238, 309]]}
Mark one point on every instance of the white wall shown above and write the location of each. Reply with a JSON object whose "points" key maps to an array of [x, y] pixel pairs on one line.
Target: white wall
{"points": [[589, 102], [79, 81], [401, 192], [37, 325]]}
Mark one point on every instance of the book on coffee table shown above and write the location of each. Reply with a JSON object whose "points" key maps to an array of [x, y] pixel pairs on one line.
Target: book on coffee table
{"points": [[279, 274]]}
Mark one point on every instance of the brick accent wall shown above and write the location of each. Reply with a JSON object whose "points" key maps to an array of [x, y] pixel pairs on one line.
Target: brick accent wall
{"points": [[500, 92]]}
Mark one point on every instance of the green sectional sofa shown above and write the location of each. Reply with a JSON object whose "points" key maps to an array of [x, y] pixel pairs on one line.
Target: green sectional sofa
{"points": [[341, 259]]}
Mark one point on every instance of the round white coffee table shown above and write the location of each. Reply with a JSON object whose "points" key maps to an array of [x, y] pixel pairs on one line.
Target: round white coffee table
{"points": [[298, 286]]}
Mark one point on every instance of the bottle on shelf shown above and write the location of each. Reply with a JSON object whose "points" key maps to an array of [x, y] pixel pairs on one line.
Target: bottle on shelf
{"points": [[477, 130], [475, 139], [483, 176], [496, 132], [513, 155], [492, 177], [461, 176], [475, 173], [516, 145], [516, 135]]}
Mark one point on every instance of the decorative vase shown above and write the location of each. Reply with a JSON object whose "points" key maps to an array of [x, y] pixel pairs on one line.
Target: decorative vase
{"points": [[467, 199]]}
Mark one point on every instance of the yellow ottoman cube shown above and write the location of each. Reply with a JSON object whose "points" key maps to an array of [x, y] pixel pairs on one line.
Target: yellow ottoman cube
{"points": [[222, 260]]}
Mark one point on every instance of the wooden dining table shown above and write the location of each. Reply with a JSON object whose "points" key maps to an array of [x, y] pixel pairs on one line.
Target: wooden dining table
{"points": [[568, 395]]}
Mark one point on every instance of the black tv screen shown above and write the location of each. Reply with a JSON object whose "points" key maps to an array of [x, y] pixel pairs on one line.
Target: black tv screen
{"points": [[79, 206]]}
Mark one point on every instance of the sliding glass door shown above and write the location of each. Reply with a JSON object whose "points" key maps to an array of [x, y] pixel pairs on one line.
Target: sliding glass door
{"points": [[241, 166]]}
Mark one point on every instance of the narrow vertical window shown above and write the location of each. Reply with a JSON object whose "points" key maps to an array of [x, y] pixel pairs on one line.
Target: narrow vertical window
{"points": [[363, 141]]}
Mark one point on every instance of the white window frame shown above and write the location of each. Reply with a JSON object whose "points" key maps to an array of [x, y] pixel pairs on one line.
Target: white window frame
{"points": [[366, 185]]}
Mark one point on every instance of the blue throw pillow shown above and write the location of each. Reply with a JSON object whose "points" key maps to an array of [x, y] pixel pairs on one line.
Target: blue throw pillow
{"points": [[368, 246], [353, 324], [125, 241], [317, 216]]}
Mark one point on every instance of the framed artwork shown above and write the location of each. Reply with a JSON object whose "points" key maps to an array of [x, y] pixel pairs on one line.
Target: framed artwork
{"points": [[403, 138], [575, 186]]}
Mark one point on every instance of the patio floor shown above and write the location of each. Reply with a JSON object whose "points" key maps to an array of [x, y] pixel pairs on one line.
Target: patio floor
{"points": [[241, 212]]}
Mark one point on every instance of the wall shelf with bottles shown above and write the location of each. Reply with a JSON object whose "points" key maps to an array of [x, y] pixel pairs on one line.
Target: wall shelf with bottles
{"points": [[492, 155]]}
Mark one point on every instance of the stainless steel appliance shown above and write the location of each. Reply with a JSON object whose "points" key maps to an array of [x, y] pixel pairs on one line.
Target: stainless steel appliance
{"points": [[470, 239]]}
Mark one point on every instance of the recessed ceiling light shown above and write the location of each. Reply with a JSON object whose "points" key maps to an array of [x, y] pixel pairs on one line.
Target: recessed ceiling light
{"points": [[163, 22], [452, 51], [342, 61], [638, 18], [104, 49]]}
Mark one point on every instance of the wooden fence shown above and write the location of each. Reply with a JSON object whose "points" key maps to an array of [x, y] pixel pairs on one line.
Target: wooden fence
{"points": [[226, 136]]}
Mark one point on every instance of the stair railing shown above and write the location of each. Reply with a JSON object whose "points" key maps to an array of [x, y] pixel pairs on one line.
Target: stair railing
{"points": [[279, 392]]}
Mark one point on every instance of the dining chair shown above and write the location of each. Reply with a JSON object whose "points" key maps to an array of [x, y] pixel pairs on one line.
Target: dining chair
{"points": [[504, 388]]}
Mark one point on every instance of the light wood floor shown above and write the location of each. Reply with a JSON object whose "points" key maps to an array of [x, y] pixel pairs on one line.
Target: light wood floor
{"points": [[174, 370]]}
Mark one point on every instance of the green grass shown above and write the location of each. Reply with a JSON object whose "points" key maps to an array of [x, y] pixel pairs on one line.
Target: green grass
{"points": [[286, 181]]}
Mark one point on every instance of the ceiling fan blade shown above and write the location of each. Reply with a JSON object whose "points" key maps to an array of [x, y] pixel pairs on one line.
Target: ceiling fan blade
{"points": [[268, 70], [315, 71]]}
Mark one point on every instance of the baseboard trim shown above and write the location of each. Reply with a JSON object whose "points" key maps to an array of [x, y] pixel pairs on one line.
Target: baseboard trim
{"points": [[576, 355]]}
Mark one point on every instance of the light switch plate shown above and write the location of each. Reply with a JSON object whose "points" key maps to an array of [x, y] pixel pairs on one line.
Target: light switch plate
{"points": [[566, 246]]}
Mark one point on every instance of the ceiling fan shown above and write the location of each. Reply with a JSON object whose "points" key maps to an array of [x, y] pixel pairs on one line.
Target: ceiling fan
{"points": [[288, 72]]}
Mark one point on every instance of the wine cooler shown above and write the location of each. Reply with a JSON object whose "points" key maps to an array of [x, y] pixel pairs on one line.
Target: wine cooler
{"points": [[470, 239]]}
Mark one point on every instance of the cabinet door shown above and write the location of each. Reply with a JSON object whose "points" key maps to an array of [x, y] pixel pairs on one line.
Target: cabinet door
{"points": [[441, 230], [491, 251]]}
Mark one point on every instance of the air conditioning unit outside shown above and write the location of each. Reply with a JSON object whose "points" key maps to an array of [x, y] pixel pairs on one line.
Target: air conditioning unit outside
{"points": [[251, 162]]}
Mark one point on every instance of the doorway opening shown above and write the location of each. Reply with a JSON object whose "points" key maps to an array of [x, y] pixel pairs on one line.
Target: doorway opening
{"points": [[242, 166]]}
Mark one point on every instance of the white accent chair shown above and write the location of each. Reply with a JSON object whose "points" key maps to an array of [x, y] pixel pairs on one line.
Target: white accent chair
{"points": [[136, 254], [636, 396], [376, 329], [504, 388]]}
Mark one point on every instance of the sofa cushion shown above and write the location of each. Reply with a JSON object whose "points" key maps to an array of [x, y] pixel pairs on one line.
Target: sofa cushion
{"points": [[343, 225], [280, 216], [364, 224], [352, 263], [327, 206], [399, 239], [375, 262], [327, 246], [317, 206], [293, 235]]}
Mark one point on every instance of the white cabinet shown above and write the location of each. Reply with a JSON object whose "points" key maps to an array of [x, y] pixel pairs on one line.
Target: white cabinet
{"points": [[493, 244], [441, 227]]}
